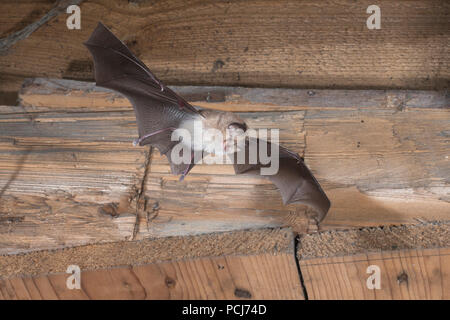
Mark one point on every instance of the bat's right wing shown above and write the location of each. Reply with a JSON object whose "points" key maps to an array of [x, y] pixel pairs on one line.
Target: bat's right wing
{"points": [[158, 109], [294, 180]]}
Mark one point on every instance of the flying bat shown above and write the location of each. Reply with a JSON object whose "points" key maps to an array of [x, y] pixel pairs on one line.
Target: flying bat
{"points": [[160, 111]]}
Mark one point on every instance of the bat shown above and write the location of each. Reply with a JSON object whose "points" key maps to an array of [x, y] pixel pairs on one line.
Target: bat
{"points": [[160, 112]]}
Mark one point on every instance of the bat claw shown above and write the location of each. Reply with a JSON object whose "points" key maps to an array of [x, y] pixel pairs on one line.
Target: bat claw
{"points": [[136, 142], [181, 178]]}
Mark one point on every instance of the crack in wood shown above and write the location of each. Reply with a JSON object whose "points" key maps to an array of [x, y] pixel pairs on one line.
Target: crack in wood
{"points": [[299, 271], [140, 197]]}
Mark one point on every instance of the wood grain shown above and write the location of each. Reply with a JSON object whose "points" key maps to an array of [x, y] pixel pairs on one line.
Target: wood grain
{"points": [[252, 43], [264, 276], [405, 275], [63, 184], [43, 94], [240, 265], [382, 157]]}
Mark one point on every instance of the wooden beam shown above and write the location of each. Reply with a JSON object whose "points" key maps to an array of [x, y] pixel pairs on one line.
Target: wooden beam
{"points": [[252, 264], [405, 275], [258, 277], [412, 262], [242, 265], [70, 176], [61, 185], [252, 43], [43, 94]]}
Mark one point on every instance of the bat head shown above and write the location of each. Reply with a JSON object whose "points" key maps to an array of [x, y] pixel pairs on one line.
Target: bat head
{"points": [[235, 132]]}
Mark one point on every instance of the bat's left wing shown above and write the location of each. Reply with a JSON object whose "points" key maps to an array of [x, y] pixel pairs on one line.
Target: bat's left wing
{"points": [[294, 180], [158, 109]]}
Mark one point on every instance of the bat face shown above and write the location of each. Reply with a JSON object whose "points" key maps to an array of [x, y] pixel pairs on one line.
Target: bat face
{"points": [[234, 137]]}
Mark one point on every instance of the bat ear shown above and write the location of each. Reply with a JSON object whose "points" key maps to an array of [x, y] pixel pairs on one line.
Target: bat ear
{"points": [[238, 125]]}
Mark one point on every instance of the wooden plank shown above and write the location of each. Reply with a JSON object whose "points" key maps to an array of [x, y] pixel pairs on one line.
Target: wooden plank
{"points": [[251, 43], [256, 264], [405, 275], [264, 276], [412, 260], [42, 94], [382, 157]]}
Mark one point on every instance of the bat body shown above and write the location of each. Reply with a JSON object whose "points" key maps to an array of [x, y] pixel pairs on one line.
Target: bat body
{"points": [[160, 112]]}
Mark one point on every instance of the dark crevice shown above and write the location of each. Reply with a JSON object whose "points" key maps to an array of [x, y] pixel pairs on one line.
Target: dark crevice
{"points": [[141, 192], [297, 262]]}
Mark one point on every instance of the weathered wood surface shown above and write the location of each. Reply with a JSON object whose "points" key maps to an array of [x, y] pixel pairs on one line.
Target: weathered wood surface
{"points": [[382, 157], [252, 43], [42, 94], [63, 179], [405, 275]]}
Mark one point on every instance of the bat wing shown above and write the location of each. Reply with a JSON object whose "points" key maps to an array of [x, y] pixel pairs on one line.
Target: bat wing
{"points": [[158, 109], [294, 180]]}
